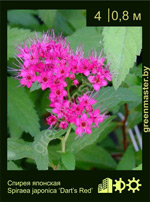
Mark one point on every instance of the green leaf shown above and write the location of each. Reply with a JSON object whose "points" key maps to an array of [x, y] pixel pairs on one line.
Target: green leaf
{"points": [[81, 142], [21, 109], [35, 86], [61, 166], [20, 17], [36, 96], [137, 90], [30, 11], [68, 160], [45, 102], [107, 131], [54, 153], [122, 44], [74, 17], [48, 17], [128, 160], [14, 130], [18, 149], [108, 97], [16, 36], [132, 79], [88, 37], [137, 70], [61, 25], [12, 166], [40, 147], [135, 106], [138, 157], [109, 144], [138, 167], [49, 110], [94, 156], [134, 119]]}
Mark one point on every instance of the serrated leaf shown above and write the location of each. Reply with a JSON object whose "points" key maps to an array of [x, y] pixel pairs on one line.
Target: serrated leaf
{"points": [[18, 149], [68, 160], [61, 25], [128, 160], [81, 142], [14, 130], [108, 97], [21, 109], [35, 86], [40, 145], [45, 102], [88, 37], [94, 156], [21, 17], [12, 166], [135, 106], [30, 11], [137, 70], [75, 17], [106, 131], [137, 90], [122, 45], [14, 37], [132, 79], [48, 17]]}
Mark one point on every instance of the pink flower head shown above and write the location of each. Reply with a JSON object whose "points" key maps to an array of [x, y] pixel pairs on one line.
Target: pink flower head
{"points": [[83, 125], [77, 108], [98, 81], [75, 82], [57, 94], [22, 51], [28, 77], [61, 108], [86, 100], [72, 76], [85, 67], [62, 71], [44, 78], [57, 82], [51, 120], [101, 61], [74, 64], [63, 125], [96, 117], [107, 74]]}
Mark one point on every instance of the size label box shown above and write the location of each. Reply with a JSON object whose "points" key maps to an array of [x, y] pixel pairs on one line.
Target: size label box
{"points": [[113, 15], [110, 15]]}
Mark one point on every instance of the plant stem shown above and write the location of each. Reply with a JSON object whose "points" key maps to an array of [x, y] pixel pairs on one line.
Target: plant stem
{"points": [[64, 139], [54, 167], [124, 127], [68, 93]]}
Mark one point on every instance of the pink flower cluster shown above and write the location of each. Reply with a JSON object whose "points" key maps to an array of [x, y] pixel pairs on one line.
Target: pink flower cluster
{"points": [[51, 62], [80, 113]]}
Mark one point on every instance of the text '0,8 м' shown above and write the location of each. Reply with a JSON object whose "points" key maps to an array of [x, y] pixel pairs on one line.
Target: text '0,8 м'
{"points": [[114, 15]]}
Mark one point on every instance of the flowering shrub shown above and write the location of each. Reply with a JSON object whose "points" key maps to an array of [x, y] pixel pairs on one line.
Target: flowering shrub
{"points": [[51, 62], [74, 99]]}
